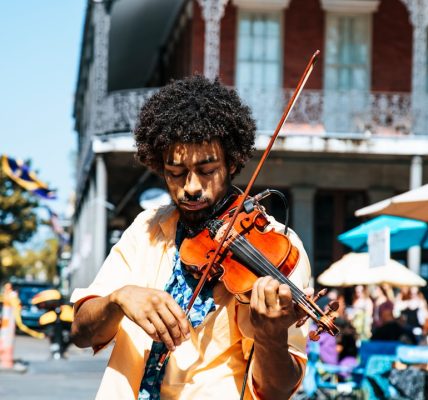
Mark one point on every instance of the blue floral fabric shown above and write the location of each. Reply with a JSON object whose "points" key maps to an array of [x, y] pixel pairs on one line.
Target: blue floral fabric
{"points": [[180, 286]]}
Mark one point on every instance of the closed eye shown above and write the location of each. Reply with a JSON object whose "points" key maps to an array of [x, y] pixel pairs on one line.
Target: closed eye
{"points": [[176, 174], [208, 172]]}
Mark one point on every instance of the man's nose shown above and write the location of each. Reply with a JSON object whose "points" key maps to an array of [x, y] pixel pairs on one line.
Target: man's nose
{"points": [[193, 185]]}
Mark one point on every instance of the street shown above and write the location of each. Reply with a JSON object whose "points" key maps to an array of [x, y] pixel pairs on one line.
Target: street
{"points": [[74, 378]]}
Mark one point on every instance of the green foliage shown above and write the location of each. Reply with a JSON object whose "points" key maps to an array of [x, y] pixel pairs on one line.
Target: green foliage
{"points": [[38, 263], [18, 220]]}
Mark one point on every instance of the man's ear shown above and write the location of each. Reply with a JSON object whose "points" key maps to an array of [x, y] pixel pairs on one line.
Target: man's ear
{"points": [[232, 169]]}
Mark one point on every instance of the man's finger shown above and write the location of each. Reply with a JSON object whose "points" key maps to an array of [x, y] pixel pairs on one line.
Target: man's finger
{"points": [[258, 295], [271, 294], [162, 331], [171, 323], [285, 298], [150, 329], [180, 316]]}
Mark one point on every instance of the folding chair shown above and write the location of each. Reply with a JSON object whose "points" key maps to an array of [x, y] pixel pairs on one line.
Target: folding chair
{"points": [[412, 354], [375, 382], [322, 381], [411, 381]]}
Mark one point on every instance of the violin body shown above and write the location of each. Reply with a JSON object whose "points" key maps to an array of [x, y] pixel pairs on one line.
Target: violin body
{"points": [[240, 247], [196, 253]]}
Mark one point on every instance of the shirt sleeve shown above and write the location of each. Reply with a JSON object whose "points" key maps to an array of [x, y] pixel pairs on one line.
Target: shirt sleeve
{"points": [[250, 382], [114, 273]]}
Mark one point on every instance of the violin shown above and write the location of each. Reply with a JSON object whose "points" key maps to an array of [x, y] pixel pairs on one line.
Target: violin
{"points": [[252, 250]]}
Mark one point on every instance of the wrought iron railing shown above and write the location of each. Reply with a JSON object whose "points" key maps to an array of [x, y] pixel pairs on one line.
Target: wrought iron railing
{"points": [[322, 112], [316, 111]]}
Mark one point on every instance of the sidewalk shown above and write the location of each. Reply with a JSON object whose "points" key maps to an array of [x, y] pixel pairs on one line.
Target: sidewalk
{"points": [[74, 378]]}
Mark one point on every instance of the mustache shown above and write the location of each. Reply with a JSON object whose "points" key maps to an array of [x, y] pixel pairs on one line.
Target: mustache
{"points": [[187, 198]]}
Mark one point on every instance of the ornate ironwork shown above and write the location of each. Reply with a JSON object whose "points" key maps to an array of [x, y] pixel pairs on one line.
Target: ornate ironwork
{"points": [[121, 109], [101, 21], [383, 112], [212, 12]]}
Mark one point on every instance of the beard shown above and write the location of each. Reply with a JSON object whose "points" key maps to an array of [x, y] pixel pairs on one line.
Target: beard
{"points": [[195, 220]]}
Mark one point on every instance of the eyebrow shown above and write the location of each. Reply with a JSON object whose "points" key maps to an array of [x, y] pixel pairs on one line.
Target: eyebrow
{"points": [[208, 160]]}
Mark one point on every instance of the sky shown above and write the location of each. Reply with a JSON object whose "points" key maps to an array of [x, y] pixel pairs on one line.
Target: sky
{"points": [[39, 56]]}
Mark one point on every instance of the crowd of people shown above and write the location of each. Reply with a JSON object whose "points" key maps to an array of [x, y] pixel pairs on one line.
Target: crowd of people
{"points": [[374, 313]]}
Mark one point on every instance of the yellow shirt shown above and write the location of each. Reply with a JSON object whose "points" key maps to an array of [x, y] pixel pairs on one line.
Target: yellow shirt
{"points": [[212, 363]]}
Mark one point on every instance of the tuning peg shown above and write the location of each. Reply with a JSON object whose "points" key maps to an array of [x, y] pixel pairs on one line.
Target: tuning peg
{"points": [[315, 335], [333, 306], [320, 294]]}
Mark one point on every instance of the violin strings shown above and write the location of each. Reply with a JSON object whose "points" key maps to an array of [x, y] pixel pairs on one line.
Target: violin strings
{"points": [[270, 269], [249, 249]]}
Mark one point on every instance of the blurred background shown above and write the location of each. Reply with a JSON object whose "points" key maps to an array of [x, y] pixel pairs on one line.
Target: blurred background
{"points": [[75, 74]]}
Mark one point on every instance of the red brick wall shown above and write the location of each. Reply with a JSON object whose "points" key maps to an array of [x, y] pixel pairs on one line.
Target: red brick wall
{"points": [[304, 23], [228, 36], [303, 34], [392, 47], [198, 32]]}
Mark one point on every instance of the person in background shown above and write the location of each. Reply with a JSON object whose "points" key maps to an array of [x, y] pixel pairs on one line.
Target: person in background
{"points": [[393, 329], [360, 313], [411, 306], [383, 300]]}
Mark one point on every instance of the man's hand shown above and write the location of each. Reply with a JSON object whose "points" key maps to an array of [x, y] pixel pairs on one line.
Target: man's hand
{"points": [[276, 372], [155, 311], [272, 311]]}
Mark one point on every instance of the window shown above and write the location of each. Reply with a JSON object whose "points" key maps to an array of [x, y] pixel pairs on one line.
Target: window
{"points": [[347, 52], [346, 72], [259, 50]]}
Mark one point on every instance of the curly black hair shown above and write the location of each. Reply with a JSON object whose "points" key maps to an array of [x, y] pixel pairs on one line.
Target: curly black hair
{"points": [[194, 110]]}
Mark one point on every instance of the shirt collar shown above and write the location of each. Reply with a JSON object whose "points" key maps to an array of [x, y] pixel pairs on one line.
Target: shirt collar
{"points": [[168, 222]]}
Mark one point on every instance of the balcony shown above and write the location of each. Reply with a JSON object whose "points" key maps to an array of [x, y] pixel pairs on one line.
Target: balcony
{"points": [[316, 112], [319, 113]]}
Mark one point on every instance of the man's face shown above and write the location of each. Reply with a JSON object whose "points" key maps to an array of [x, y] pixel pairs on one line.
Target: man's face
{"points": [[197, 178]]}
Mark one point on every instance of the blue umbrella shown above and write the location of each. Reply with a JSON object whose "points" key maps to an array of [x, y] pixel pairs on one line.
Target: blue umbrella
{"points": [[404, 232]]}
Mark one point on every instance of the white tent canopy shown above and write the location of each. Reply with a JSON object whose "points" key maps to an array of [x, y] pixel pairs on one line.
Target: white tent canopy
{"points": [[411, 204], [353, 269]]}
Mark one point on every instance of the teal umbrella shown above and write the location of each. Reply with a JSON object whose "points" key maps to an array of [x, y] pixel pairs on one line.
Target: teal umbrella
{"points": [[404, 232]]}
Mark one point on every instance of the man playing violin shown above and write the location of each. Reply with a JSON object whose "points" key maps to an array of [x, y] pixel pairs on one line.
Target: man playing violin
{"points": [[197, 135]]}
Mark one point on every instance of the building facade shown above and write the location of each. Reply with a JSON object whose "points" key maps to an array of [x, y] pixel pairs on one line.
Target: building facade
{"points": [[358, 133]]}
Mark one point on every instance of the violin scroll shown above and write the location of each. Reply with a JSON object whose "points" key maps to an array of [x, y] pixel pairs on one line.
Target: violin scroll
{"points": [[325, 322]]}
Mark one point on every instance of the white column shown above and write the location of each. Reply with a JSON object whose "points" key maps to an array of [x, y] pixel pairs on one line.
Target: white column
{"points": [[418, 10], [212, 12], [303, 217], [414, 253], [100, 211]]}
